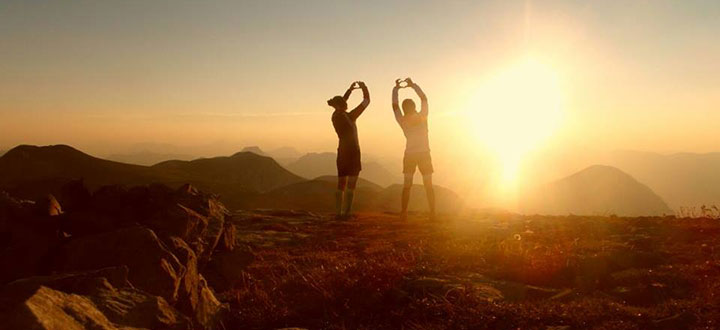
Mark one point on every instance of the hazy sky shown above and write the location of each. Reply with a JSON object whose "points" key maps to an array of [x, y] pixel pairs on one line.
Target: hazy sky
{"points": [[103, 75]]}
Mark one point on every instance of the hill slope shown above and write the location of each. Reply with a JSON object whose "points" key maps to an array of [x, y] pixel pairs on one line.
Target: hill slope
{"points": [[312, 195], [147, 158], [313, 165], [593, 191], [361, 183], [318, 195], [446, 200], [232, 177], [26, 164], [682, 179], [31, 170], [255, 149], [243, 180]]}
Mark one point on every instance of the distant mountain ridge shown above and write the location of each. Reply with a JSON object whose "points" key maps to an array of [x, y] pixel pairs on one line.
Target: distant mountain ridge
{"points": [[148, 158], [362, 183], [313, 165], [318, 195], [596, 190], [259, 173], [29, 170], [243, 180], [282, 155], [682, 179], [255, 150], [32, 163]]}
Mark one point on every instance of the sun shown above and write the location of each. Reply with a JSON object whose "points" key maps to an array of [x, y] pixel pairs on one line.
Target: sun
{"points": [[514, 111]]}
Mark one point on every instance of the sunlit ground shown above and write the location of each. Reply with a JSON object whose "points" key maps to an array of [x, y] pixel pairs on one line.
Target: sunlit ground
{"points": [[476, 272], [514, 112]]}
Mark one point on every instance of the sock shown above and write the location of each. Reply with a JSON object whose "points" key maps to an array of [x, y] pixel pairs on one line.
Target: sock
{"points": [[338, 201], [349, 194]]}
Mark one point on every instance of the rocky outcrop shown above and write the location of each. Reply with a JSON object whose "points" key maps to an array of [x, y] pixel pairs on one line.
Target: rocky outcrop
{"points": [[50, 309], [152, 266], [119, 257], [225, 268], [100, 299], [27, 235], [194, 296]]}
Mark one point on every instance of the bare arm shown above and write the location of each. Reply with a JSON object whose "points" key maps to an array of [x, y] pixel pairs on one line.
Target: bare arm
{"points": [[364, 104], [423, 99], [346, 96], [395, 104]]}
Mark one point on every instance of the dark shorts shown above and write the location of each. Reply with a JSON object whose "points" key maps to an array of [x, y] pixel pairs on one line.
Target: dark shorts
{"points": [[421, 160], [348, 162]]}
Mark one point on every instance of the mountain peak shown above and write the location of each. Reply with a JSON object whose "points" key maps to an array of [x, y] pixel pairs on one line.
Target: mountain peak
{"points": [[596, 190], [255, 150], [25, 151], [603, 171], [249, 155]]}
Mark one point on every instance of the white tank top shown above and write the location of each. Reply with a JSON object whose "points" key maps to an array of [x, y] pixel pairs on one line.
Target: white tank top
{"points": [[415, 128]]}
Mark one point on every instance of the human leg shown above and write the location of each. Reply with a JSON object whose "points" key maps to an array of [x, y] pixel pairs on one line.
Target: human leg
{"points": [[349, 195], [407, 186], [426, 168], [430, 193], [339, 194]]}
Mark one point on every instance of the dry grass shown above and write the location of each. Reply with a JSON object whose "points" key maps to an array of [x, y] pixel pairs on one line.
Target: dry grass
{"points": [[703, 211], [379, 273]]}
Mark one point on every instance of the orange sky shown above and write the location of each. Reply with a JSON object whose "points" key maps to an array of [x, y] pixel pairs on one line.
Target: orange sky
{"points": [[104, 76]]}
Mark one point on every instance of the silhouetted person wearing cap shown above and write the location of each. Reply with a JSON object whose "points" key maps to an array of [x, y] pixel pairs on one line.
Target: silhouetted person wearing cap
{"points": [[348, 154], [417, 148]]}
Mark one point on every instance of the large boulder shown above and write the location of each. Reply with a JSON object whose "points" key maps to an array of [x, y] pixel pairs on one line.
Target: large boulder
{"points": [[153, 267], [226, 267], [101, 299], [48, 206], [217, 221], [164, 237], [26, 238], [74, 196], [194, 296], [109, 208], [179, 221], [209, 311], [46, 308], [197, 218]]}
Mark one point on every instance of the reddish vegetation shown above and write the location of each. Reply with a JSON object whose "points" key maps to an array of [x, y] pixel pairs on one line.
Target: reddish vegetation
{"points": [[471, 272], [168, 254]]}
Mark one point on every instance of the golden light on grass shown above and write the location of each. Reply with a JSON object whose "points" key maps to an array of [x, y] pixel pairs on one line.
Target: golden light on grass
{"points": [[514, 111]]}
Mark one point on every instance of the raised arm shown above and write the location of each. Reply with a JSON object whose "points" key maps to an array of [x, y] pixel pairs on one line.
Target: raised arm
{"points": [[364, 104], [395, 104], [346, 96], [423, 98]]}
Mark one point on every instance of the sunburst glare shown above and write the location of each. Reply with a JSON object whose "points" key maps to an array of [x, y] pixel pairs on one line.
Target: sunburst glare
{"points": [[515, 111]]}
